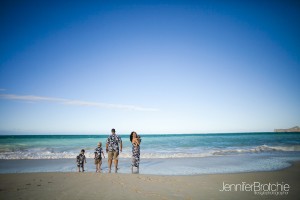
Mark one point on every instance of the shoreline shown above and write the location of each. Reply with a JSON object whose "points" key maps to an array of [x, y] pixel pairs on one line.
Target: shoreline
{"points": [[166, 167], [291, 164], [89, 185]]}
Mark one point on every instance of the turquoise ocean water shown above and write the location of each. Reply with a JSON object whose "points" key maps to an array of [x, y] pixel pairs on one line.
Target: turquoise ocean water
{"points": [[160, 154]]}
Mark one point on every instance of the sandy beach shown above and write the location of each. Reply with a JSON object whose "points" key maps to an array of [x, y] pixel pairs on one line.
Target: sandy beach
{"points": [[134, 186]]}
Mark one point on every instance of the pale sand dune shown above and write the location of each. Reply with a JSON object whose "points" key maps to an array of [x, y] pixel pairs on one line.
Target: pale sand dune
{"points": [[44, 186]]}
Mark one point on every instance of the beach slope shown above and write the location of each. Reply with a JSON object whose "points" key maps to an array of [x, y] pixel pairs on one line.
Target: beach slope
{"points": [[126, 186]]}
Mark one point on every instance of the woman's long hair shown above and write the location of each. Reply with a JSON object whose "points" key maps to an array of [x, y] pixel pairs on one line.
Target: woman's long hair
{"points": [[131, 136]]}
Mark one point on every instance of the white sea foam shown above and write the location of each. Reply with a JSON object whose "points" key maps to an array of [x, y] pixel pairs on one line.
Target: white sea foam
{"points": [[258, 149], [47, 153]]}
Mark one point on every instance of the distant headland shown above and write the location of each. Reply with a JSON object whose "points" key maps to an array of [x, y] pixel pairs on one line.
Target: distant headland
{"points": [[294, 129]]}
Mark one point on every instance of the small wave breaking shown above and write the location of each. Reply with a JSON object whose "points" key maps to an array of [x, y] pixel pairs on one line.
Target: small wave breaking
{"points": [[258, 149], [185, 153]]}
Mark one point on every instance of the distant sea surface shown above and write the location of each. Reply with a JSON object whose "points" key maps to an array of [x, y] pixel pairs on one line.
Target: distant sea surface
{"points": [[162, 154]]}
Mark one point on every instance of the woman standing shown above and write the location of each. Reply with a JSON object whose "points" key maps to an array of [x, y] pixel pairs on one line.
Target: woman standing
{"points": [[135, 140]]}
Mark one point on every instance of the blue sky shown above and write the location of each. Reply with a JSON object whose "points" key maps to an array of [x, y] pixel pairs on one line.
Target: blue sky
{"points": [[149, 66]]}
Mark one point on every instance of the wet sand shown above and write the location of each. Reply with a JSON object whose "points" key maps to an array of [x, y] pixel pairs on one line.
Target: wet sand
{"points": [[71, 185]]}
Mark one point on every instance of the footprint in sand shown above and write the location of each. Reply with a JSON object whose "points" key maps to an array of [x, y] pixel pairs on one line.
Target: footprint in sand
{"points": [[138, 191]]}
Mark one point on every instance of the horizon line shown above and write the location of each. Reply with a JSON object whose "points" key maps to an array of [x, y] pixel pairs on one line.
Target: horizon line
{"points": [[103, 134]]}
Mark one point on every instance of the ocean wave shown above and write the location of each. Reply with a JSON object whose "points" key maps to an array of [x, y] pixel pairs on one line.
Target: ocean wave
{"points": [[49, 153], [258, 149], [69, 155]]}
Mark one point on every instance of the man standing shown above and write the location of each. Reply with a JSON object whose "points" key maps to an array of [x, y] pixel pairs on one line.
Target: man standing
{"points": [[112, 148]]}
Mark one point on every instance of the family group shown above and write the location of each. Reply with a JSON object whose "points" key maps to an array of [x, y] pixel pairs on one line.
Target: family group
{"points": [[113, 148]]}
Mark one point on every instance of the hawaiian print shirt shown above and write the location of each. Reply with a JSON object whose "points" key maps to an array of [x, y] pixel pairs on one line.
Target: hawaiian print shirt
{"points": [[113, 142], [98, 152]]}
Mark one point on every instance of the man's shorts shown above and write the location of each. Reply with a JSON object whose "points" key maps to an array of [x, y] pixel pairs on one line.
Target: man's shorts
{"points": [[113, 155], [97, 160]]}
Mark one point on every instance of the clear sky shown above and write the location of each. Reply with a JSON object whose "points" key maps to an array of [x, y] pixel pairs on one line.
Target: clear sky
{"points": [[150, 66]]}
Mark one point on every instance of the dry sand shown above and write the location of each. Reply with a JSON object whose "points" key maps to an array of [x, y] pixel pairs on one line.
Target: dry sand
{"points": [[73, 186]]}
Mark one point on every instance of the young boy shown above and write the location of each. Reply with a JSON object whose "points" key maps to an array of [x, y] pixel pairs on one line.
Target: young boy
{"points": [[98, 158], [81, 160]]}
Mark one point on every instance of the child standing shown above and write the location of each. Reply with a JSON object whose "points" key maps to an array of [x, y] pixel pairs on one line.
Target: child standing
{"points": [[81, 160], [98, 157]]}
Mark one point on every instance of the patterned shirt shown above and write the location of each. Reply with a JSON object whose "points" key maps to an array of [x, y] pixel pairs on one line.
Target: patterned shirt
{"points": [[113, 142], [81, 158], [98, 152]]}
